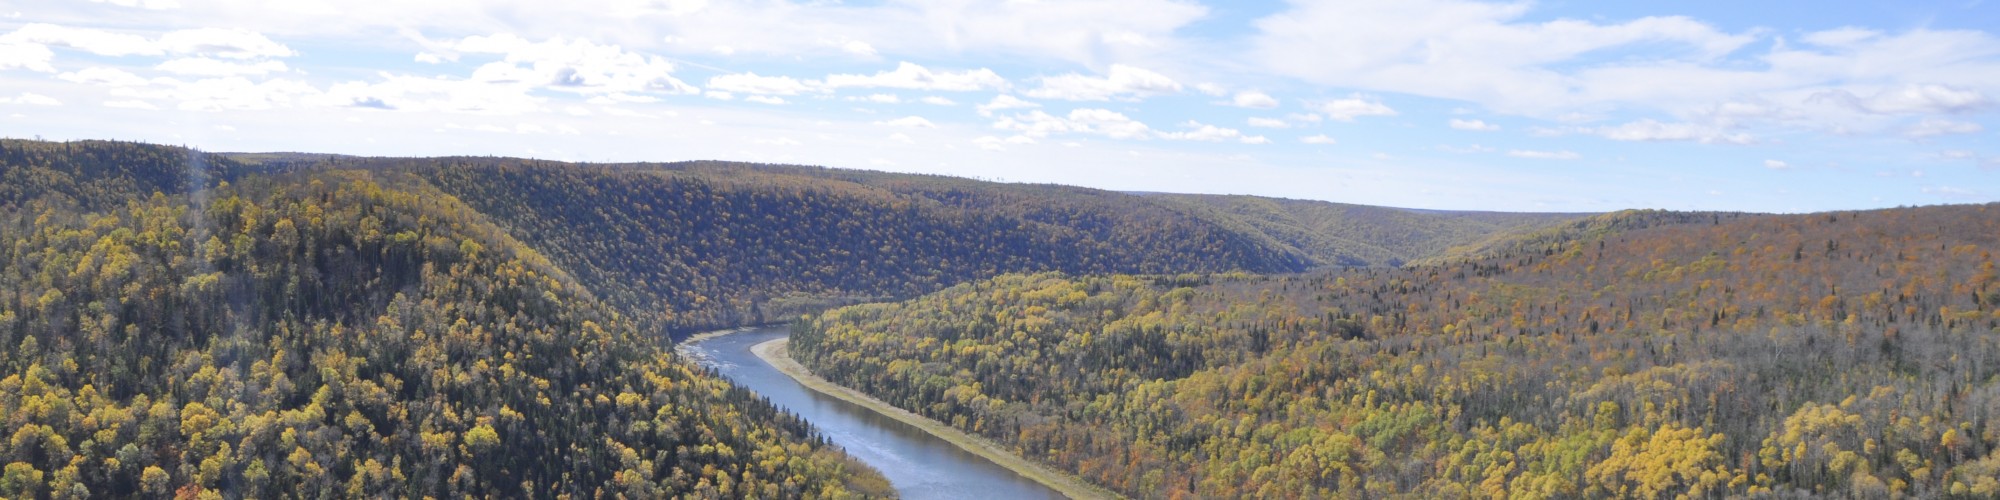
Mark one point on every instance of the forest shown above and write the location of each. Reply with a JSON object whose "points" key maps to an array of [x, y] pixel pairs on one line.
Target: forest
{"points": [[1633, 354], [203, 325], [184, 323], [338, 333]]}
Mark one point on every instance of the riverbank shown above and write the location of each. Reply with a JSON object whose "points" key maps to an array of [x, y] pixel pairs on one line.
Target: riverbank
{"points": [[775, 353]]}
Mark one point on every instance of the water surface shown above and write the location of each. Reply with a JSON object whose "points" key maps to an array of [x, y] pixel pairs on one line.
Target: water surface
{"points": [[919, 465]]}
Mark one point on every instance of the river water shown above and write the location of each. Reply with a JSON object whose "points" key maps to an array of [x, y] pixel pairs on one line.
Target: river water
{"points": [[919, 465]]}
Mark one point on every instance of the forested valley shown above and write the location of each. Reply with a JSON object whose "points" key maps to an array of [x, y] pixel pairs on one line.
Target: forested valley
{"points": [[174, 322], [181, 323], [1634, 354]]}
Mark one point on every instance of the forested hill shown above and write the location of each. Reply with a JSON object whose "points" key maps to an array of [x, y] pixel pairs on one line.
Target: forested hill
{"points": [[1360, 235], [1639, 354], [686, 247], [337, 333]]}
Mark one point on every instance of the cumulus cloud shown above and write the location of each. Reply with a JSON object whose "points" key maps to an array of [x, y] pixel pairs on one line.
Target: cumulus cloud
{"points": [[937, 101], [1473, 125], [1544, 155], [1267, 122], [1210, 133], [1352, 107], [1038, 124], [1655, 131], [750, 83], [144, 4], [202, 66], [1933, 127], [1908, 99], [908, 121], [1318, 139], [31, 98], [765, 99], [1777, 165], [571, 65], [1002, 102], [1120, 82], [914, 77], [1254, 99]]}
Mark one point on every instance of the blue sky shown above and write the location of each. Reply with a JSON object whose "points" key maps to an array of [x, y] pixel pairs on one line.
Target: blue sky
{"points": [[1527, 106]]}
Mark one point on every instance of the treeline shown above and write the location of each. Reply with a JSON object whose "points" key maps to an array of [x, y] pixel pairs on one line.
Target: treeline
{"points": [[1636, 355], [164, 331]]}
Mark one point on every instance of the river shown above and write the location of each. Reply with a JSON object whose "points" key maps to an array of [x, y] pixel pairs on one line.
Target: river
{"points": [[919, 465]]}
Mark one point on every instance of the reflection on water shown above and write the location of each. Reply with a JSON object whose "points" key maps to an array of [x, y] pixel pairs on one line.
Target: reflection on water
{"points": [[918, 464]]}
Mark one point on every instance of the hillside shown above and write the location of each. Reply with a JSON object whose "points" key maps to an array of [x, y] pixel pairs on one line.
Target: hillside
{"points": [[687, 247], [338, 333], [1358, 235], [1640, 354]]}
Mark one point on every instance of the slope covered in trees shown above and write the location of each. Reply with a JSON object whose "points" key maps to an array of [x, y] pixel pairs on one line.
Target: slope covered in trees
{"points": [[692, 246], [1639, 354], [1358, 235], [337, 333]]}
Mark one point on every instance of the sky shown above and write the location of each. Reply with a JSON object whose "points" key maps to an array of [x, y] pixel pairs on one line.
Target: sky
{"points": [[1569, 106]]}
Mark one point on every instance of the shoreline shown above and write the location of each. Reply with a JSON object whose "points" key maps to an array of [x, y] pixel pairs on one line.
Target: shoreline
{"points": [[775, 353]]}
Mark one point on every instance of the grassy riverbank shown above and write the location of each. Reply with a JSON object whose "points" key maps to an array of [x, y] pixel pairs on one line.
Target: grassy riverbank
{"points": [[775, 353]]}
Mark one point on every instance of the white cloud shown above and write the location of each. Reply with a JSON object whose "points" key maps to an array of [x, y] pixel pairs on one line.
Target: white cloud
{"points": [[31, 98], [1655, 131], [1473, 125], [858, 48], [1777, 165], [1909, 99], [1318, 139], [1038, 124], [145, 4], [1210, 133], [410, 93], [224, 43], [877, 98], [937, 101], [750, 83], [1120, 82], [227, 93], [900, 137], [1352, 107], [1268, 122], [1475, 148], [202, 66], [779, 141], [25, 55], [1211, 89], [1932, 127], [571, 65], [1254, 99], [1544, 155], [95, 41], [764, 99], [914, 77], [1004, 101], [908, 121], [108, 77], [131, 104]]}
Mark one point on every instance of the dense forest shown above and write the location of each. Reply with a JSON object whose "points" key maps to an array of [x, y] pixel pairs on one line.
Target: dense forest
{"points": [[338, 333], [177, 322], [1636, 354], [696, 246]]}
